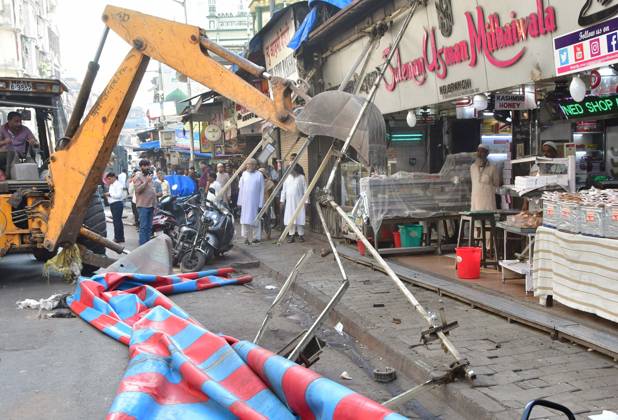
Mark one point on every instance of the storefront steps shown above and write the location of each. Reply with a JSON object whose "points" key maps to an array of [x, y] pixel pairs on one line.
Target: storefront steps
{"points": [[514, 363], [575, 327]]}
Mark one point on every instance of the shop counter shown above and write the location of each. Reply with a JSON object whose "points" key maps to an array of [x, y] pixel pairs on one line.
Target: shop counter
{"points": [[578, 271]]}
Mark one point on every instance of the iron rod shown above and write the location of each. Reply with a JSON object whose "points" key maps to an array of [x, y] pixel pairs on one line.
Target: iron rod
{"points": [[371, 96], [333, 301], [402, 287], [284, 289]]}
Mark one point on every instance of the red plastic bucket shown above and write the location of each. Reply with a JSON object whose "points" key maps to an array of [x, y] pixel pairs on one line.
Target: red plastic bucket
{"points": [[396, 239], [361, 248], [468, 263]]}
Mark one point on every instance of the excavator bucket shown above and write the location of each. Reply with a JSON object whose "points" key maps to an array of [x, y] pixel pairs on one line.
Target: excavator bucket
{"points": [[333, 114]]}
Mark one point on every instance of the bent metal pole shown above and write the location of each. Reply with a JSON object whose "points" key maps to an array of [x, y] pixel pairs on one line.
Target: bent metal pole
{"points": [[372, 94], [402, 287]]}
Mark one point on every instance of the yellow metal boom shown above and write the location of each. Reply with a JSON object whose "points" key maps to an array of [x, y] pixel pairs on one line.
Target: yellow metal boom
{"points": [[76, 170]]}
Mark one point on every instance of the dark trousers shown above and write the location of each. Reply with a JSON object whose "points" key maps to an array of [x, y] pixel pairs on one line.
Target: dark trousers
{"points": [[145, 224], [117, 209], [135, 213]]}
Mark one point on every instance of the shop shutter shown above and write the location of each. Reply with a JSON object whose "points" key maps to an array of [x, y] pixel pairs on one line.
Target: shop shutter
{"points": [[289, 145]]}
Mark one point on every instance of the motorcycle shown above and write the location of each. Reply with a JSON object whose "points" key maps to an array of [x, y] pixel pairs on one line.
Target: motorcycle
{"points": [[172, 213], [211, 236]]}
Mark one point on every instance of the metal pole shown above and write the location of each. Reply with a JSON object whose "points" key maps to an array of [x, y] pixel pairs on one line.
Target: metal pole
{"points": [[314, 181], [409, 394], [334, 300], [284, 289], [402, 287], [278, 187], [372, 94], [191, 142]]}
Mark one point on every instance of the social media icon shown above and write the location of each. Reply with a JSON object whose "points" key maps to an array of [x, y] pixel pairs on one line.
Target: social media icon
{"points": [[612, 42], [595, 47], [579, 52], [564, 56]]}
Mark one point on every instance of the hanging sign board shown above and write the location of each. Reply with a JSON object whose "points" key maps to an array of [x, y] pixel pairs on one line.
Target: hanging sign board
{"points": [[587, 49], [510, 102]]}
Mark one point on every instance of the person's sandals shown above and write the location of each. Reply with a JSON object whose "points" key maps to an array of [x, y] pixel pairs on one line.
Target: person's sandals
{"points": [[290, 239], [301, 239], [247, 242]]}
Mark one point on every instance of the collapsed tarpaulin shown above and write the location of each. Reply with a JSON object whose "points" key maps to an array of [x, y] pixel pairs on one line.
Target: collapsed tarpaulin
{"points": [[303, 31], [179, 369]]}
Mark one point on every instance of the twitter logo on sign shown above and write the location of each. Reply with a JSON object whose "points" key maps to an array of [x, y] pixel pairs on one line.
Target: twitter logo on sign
{"points": [[564, 56]]}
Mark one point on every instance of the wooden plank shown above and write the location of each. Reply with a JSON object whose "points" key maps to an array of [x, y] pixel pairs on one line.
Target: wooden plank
{"points": [[497, 304]]}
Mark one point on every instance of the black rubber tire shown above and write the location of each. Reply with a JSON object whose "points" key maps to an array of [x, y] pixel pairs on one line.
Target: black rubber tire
{"points": [[192, 261], [43, 255], [95, 221]]}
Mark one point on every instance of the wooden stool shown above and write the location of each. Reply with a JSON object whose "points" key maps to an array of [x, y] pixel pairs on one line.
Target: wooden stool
{"points": [[487, 221]]}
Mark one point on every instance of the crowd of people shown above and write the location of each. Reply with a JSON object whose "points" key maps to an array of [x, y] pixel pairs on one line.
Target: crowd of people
{"points": [[245, 196]]}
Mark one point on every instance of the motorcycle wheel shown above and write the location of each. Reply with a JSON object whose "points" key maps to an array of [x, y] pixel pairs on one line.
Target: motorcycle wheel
{"points": [[192, 261]]}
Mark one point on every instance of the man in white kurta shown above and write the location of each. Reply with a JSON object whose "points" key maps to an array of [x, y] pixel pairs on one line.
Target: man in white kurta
{"points": [[294, 188], [250, 200], [485, 181]]}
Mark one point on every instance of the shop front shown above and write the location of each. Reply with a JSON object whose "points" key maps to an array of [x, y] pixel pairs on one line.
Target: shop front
{"points": [[504, 75]]}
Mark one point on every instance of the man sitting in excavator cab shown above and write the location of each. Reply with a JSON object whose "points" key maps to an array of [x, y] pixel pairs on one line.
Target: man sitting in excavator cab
{"points": [[17, 139]]}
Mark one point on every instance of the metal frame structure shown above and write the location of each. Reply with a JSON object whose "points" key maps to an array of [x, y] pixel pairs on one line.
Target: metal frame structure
{"points": [[438, 330]]}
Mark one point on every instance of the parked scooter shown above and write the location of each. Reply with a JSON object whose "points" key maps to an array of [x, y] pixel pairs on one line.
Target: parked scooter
{"points": [[173, 213], [211, 236]]}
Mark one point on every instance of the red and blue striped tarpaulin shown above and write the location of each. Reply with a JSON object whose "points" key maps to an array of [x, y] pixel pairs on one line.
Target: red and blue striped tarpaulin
{"points": [[179, 369]]}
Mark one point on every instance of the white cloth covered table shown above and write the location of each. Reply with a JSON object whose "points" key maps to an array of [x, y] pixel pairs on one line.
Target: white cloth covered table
{"points": [[579, 271]]}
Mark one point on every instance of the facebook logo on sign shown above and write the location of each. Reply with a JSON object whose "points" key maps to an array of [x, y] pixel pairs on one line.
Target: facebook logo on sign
{"points": [[612, 42]]}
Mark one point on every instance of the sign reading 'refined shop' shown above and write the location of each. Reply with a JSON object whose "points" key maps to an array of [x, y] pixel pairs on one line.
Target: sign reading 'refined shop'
{"points": [[590, 107]]}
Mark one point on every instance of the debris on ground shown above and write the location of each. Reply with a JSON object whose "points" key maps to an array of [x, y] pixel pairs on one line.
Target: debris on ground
{"points": [[396, 321], [339, 328], [345, 375], [47, 304], [386, 375], [271, 287]]}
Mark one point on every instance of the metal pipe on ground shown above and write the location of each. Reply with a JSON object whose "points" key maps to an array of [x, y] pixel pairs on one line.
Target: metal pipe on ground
{"points": [[284, 289], [333, 301], [448, 345]]}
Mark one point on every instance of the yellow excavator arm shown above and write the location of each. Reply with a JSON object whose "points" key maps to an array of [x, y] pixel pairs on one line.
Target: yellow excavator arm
{"points": [[77, 167]]}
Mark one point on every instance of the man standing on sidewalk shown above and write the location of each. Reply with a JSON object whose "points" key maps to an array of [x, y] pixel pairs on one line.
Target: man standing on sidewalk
{"points": [[115, 196], [145, 197], [223, 177], [250, 200]]}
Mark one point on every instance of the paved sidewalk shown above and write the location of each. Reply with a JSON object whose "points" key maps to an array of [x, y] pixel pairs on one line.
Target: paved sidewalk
{"points": [[514, 364]]}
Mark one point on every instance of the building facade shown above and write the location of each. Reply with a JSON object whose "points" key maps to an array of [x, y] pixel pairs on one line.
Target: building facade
{"points": [[228, 26], [29, 39]]}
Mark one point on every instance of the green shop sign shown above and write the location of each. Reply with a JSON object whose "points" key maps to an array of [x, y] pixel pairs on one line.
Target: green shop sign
{"points": [[590, 107]]}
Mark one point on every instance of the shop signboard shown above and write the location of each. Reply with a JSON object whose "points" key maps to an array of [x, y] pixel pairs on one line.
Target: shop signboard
{"points": [[454, 49], [510, 102], [279, 58], [590, 107], [167, 138], [587, 48]]}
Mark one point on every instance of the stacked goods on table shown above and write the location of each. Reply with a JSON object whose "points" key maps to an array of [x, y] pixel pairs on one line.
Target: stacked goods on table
{"points": [[592, 212], [526, 220], [410, 195]]}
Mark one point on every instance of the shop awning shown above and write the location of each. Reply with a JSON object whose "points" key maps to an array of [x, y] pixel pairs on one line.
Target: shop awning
{"points": [[154, 146], [302, 33]]}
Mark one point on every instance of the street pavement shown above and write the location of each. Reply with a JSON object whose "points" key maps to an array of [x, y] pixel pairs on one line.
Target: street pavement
{"points": [[514, 364], [65, 369]]}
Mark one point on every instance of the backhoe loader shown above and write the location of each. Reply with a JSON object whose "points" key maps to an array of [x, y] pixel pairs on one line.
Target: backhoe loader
{"points": [[42, 215]]}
